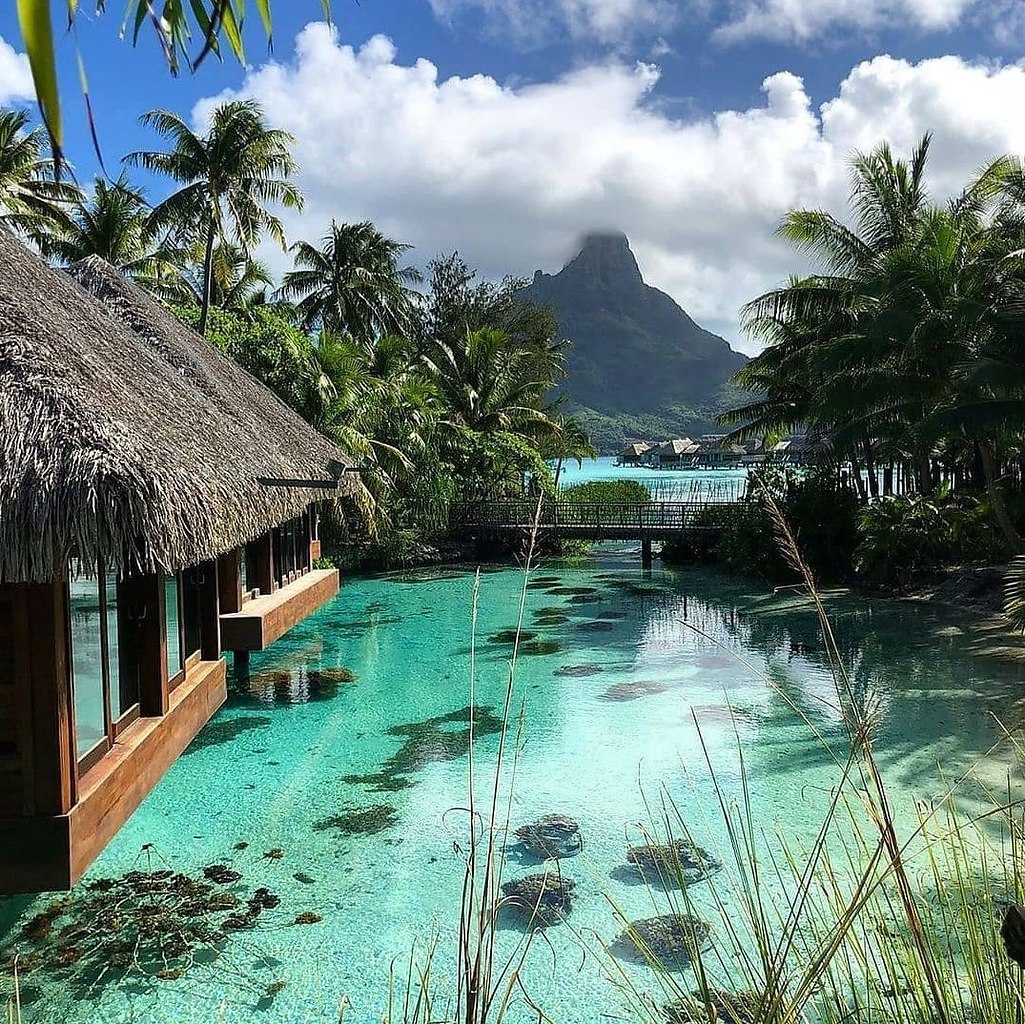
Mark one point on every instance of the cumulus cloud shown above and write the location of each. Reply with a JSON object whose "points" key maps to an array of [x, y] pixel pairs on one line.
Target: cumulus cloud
{"points": [[512, 176], [15, 77], [614, 22], [534, 21], [802, 20]]}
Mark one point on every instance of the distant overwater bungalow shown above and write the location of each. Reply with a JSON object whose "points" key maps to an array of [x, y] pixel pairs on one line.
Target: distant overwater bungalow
{"points": [[158, 507]]}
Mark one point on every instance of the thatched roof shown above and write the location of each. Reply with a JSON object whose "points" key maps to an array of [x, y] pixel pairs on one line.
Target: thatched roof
{"points": [[678, 446], [125, 435]]}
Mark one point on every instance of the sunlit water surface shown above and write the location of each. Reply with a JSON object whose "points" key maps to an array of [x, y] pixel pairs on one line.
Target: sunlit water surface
{"points": [[277, 764]]}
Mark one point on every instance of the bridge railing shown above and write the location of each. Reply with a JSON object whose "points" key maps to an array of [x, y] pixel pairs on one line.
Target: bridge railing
{"points": [[642, 517]]}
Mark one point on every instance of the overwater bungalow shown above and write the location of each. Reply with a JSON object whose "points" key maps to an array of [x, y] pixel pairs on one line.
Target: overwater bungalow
{"points": [[158, 507], [674, 454], [633, 453]]}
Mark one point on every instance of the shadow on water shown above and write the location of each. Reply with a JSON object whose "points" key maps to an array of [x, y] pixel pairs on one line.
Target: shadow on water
{"points": [[226, 730]]}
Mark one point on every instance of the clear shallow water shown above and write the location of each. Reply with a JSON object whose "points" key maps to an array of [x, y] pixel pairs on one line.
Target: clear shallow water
{"points": [[667, 485], [276, 765]]}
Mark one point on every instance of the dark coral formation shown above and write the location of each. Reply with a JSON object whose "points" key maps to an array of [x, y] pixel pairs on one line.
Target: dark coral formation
{"points": [[541, 899], [633, 691], [673, 863], [360, 820], [716, 1006], [588, 669], [672, 940], [442, 738], [508, 636], [552, 835], [144, 924], [541, 647]]}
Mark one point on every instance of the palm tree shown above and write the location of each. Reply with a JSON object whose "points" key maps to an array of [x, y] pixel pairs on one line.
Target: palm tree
{"points": [[353, 283], [32, 201], [494, 421], [237, 280], [228, 176], [111, 223]]}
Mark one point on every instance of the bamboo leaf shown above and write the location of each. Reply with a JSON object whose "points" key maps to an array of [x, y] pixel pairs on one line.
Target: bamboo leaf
{"points": [[37, 32]]}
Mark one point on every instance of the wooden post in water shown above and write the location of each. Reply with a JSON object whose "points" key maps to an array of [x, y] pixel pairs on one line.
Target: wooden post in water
{"points": [[646, 553]]}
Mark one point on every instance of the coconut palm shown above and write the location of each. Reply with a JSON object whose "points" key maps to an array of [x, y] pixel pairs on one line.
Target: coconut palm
{"points": [[238, 281], [32, 201], [353, 283], [229, 175], [111, 222]]}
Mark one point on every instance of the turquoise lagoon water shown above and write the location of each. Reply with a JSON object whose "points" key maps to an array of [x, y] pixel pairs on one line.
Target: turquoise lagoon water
{"points": [[277, 764], [666, 484]]}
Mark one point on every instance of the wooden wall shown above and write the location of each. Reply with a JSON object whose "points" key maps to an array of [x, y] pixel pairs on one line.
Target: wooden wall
{"points": [[12, 737]]}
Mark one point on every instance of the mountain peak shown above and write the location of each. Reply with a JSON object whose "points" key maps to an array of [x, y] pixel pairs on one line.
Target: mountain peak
{"points": [[637, 361], [606, 258]]}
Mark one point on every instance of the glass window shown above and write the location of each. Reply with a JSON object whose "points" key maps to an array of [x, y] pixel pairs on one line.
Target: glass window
{"points": [[124, 684], [87, 672], [172, 627], [191, 584]]}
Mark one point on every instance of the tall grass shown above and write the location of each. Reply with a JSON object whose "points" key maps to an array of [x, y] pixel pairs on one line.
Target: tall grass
{"points": [[863, 925]]}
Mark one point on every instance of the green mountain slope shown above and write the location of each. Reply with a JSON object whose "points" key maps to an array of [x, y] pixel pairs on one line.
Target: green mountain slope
{"points": [[639, 365]]}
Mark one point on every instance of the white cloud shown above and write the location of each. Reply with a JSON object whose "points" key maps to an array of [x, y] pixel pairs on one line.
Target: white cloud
{"points": [[513, 176], [15, 77], [534, 21], [801, 20], [617, 22]]}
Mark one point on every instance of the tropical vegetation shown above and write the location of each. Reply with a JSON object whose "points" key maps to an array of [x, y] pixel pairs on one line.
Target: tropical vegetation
{"points": [[902, 353], [438, 395]]}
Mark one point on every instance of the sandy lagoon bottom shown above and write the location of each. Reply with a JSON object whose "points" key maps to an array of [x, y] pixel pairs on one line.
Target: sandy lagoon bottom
{"points": [[280, 769]]}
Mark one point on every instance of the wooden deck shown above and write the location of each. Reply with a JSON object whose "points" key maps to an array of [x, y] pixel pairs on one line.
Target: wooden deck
{"points": [[264, 619], [657, 520]]}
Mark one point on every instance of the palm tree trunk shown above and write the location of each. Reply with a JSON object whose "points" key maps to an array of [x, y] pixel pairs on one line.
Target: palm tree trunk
{"points": [[870, 469], [996, 498], [208, 277]]}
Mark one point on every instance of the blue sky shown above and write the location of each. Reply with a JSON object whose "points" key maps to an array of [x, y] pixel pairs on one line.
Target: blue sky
{"points": [[507, 128]]}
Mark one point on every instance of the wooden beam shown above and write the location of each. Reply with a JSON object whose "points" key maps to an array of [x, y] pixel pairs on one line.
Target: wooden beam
{"points": [[145, 604], [53, 730], [260, 564], [229, 581], [209, 612]]}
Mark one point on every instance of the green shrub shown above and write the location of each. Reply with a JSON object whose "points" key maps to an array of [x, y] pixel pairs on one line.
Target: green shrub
{"points": [[607, 492], [821, 513], [904, 537]]}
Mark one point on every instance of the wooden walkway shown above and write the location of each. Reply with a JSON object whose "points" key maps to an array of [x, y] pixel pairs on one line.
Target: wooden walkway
{"points": [[657, 520]]}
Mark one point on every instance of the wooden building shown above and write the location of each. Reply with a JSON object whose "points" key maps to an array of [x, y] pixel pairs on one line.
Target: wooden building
{"points": [[158, 506], [633, 453]]}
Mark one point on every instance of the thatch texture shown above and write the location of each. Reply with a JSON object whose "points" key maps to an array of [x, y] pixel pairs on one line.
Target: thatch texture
{"points": [[125, 435]]}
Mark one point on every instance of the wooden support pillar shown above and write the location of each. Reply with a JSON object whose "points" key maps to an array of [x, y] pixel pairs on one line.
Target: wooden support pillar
{"points": [[646, 554], [241, 666], [209, 613], [142, 602], [44, 620], [260, 564], [229, 581]]}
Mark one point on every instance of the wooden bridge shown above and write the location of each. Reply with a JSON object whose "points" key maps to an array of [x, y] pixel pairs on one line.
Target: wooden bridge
{"points": [[594, 521]]}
